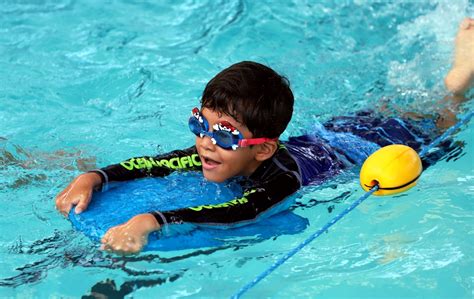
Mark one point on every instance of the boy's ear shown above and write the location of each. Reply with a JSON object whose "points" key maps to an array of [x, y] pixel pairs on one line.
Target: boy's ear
{"points": [[266, 150]]}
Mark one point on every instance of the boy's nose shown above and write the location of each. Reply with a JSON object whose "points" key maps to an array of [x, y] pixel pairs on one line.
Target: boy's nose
{"points": [[206, 143]]}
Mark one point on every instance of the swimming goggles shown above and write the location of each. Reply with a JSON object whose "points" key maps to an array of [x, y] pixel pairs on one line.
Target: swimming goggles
{"points": [[224, 134]]}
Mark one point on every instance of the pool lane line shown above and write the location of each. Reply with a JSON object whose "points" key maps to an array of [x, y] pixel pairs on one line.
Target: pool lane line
{"points": [[446, 134], [304, 243], [338, 217]]}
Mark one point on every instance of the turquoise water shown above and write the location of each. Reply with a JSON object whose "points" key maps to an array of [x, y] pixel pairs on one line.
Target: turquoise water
{"points": [[85, 85]]}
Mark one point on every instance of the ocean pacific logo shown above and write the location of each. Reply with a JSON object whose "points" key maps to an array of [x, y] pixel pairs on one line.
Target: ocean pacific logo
{"points": [[173, 163]]}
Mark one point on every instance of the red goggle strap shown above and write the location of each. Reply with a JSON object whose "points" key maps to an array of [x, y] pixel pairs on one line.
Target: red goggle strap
{"points": [[254, 141]]}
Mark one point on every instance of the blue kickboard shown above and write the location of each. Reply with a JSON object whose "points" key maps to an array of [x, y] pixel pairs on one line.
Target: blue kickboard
{"points": [[125, 200]]}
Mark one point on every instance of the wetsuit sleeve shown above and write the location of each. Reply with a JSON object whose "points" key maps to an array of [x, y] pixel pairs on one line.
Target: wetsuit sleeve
{"points": [[146, 166], [267, 197]]}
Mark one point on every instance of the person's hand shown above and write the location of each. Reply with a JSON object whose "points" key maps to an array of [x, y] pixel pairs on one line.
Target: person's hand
{"points": [[131, 236], [78, 193]]}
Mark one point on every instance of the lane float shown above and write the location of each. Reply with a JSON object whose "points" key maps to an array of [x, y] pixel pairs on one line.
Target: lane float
{"points": [[394, 168]]}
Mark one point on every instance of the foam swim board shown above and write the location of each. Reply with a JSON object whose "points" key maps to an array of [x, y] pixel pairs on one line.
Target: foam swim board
{"points": [[125, 200]]}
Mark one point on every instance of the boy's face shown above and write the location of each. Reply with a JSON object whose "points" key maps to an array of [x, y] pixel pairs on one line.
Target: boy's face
{"points": [[219, 164]]}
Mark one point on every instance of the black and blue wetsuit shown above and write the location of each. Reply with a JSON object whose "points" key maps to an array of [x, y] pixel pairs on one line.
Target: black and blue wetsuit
{"points": [[312, 158], [345, 141]]}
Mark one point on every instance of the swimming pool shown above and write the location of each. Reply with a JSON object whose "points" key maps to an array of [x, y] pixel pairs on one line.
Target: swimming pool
{"points": [[83, 84]]}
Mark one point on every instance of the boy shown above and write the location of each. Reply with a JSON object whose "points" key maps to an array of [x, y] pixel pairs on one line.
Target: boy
{"points": [[244, 109]]}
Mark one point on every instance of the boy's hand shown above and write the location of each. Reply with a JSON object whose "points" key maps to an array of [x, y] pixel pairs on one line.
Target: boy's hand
{"points": [[131, 236], [79, 193]]}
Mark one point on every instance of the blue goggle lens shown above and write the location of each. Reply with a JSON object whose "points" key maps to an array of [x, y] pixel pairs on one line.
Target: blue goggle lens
{"points": [[224, 139], [195, 126]]}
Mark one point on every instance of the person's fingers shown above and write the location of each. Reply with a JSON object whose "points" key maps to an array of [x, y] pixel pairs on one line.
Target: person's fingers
{"points": [[106, 241], [61, 195], [124, 249], [105, 238], [118, 245], [111, 245], [83, 203], [64, 210], [64, 204], [71, 196], [68, 200]]}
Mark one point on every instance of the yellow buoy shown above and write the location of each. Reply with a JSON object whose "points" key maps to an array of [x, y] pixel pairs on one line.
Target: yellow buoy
{"points": [[395, 168]]}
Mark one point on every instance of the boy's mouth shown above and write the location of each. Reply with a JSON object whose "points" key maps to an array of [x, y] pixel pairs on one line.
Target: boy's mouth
{"points": [[208, 163]]}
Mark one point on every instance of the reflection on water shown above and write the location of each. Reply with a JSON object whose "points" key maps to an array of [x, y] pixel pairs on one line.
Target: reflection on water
{"points": [[23, 167], [85, 86]]}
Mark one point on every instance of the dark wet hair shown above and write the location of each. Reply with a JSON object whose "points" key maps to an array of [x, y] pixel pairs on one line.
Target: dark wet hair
{"points": [[253, 94]]}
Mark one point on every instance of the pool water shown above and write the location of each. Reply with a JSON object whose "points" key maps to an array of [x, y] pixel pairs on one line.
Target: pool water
{"points": [[84, 85]]}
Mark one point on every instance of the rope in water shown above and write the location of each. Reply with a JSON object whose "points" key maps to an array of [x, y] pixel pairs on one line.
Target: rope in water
{"points": [[445, 135], [338, 217]]}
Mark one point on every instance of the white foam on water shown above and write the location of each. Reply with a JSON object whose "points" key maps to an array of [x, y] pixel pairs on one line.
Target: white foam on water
{"points": [[436, 29]]}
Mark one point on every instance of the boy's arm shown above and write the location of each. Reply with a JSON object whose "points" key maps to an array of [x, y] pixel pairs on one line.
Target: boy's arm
{"points": [[266, 198], [79, 191], [147, 166]]}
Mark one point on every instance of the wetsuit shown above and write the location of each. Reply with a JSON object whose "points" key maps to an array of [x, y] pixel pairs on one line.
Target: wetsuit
{"points": [[264, 192], [312, 158]]}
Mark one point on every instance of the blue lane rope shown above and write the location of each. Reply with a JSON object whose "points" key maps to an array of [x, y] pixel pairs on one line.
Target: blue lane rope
{"points": [[304, 243], [445, 135], [338, 217]]}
